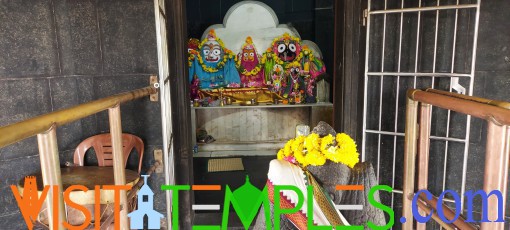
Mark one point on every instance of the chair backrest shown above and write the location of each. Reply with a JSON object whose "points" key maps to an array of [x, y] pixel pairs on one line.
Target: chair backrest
{"points": [[102, 145]]}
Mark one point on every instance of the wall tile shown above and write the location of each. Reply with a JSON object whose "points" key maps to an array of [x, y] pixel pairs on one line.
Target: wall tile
{"points": [[127, 37], [140, 117], [12, 171], [303, 5], [85, 92], [493, 39], [20, 100], [78, 33], [13, 221], [324, 3], [210, 11], [24, 148], [64, 96], [27, 41]]}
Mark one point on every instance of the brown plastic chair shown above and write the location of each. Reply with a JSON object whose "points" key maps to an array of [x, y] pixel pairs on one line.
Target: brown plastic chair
{"points": [[102, 145]]}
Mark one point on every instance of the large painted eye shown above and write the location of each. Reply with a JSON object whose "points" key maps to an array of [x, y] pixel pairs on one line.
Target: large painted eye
{"points": [[246, 54], [281, 48], [252, 54], [292, 47], [216, 52], [206, 52]]}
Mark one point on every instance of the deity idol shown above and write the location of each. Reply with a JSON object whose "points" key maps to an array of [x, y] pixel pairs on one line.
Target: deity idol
{"points": [[252, 74], [278, 79], [295, 82], [193, 44], [288, 52], [214, 65]]}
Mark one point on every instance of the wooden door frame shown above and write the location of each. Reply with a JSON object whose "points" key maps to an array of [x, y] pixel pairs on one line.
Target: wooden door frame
{"points": [[349, 61], [181, 113], [348, 72]]}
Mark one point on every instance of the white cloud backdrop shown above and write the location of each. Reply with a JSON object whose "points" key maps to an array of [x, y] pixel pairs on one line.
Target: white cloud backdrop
{"points": [[255, 19]]}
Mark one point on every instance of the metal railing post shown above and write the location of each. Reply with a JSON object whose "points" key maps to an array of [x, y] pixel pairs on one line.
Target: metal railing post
{"points": [[50, 169], [496, 171], [423, 151], [118, 163], [409, 159]]}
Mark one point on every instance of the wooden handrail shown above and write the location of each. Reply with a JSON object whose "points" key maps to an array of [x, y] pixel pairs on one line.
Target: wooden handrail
{"points": [[474, 106], [33, 126], [497, 155]]}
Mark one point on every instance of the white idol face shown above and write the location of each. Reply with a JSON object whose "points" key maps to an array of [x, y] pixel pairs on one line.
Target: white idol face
{"points": [[212, 51]]}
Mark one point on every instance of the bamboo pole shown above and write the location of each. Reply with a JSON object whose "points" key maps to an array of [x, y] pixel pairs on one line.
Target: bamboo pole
{"points": [[50, 169], [118, 162], [39, 124]]}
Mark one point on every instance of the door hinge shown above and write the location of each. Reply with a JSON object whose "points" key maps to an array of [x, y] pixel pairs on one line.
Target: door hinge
{"points": [[153, 81], [365, 16]]}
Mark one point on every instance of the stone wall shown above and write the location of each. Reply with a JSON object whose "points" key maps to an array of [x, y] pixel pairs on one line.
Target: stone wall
{"points": [[58, 53]]}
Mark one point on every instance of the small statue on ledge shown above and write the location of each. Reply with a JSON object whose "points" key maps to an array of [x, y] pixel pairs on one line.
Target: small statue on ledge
{"points": [[295, 84], [278, 82], [194, 87]]}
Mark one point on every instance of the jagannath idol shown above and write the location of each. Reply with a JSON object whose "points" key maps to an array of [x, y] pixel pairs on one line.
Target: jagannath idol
{"points": [[288, 52], [249, 66], [214, 65]]}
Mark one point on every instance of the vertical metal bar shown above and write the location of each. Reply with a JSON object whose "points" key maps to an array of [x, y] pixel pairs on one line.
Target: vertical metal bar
{"points": [[396, 103], [417, 43], [435, 44], [471, 82], [449, 112], [496, 171], [409, 160], [50, 169], [381, 88], [365, 88], [118, 161], [423, 152]]}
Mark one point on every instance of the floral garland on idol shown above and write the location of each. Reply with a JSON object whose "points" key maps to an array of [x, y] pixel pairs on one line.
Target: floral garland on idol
{"points": [[228, 54], [314, 150], [241, 69], [271, 54]]}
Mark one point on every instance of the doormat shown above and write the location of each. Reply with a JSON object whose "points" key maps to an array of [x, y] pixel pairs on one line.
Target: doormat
{"points": [[225, 164]]}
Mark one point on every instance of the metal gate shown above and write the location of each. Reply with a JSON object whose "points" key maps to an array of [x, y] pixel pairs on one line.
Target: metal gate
{"points": [[417, 44], [166, 109]]}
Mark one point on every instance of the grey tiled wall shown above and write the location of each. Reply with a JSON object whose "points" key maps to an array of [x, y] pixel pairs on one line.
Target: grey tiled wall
{"points": [[58, 53]]}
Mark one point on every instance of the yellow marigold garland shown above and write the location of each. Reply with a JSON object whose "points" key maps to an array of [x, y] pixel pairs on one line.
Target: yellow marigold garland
{"points": [[243, 71], [314, 150], [228, 54]]}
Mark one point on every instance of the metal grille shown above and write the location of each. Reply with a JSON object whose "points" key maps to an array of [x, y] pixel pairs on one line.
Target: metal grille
{"points": [[417, 44]]}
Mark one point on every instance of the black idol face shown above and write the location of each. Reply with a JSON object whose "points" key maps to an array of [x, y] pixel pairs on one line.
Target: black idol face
{"points": [[287, 51]]}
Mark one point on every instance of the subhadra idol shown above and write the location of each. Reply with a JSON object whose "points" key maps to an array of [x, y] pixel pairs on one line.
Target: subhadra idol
{"points": [[214, 65], [249, 65]]}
